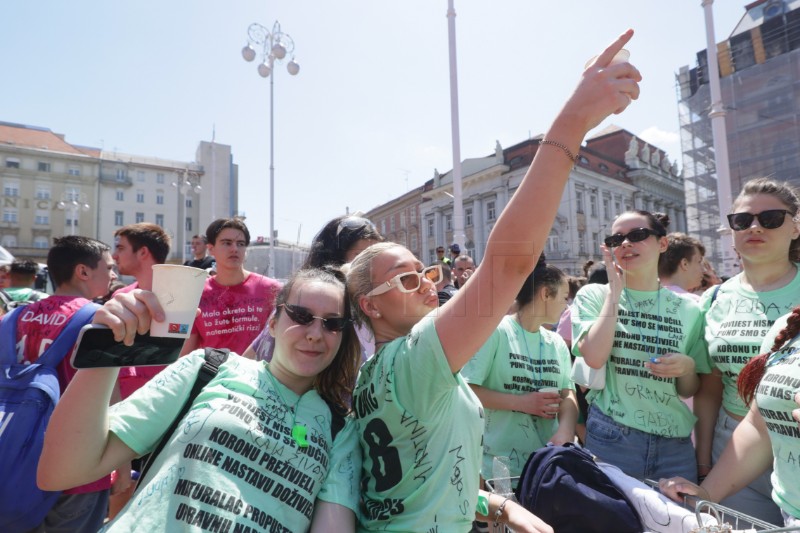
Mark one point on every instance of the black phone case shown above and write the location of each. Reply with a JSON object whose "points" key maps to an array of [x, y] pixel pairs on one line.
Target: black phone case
{"points": [[98, 349]]}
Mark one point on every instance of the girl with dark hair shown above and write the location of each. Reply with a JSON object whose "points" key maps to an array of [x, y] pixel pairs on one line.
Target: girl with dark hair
{"points": [[737, 315], [681, 268], [340, 240], [256, 448], [521, 376], [337, 243], [768, 437], [639, 333]]}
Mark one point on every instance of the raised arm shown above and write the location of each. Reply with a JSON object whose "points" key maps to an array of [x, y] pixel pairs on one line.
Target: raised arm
{"points": [[518, 236], [747, 455], [78, 447], [595, 345]]}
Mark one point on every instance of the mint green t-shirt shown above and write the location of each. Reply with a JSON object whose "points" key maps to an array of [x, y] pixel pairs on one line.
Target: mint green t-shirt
{"points": [[775, 399], [735, 325], [232, 465], [650, 324], [516, 361], [420, 427]]}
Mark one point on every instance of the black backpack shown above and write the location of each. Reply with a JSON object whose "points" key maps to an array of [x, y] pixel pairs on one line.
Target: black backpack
{"points": [[563, 486]]}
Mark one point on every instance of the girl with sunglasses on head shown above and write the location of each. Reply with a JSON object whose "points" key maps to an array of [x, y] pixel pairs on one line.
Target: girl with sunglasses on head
{"points": [[512, 372], [337, 243], [257, 447], [738, 314], [768, 436], [646, 339], [419, 423]]}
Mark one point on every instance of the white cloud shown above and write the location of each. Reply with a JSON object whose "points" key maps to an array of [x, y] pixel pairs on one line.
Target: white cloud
{"points": [[669, 141]]}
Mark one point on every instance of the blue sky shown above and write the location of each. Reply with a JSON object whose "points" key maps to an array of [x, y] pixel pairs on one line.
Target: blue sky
{"points": [[368, 116]]}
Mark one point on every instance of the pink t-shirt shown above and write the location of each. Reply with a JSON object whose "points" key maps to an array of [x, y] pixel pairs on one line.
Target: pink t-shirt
{"points": [[38, 326], [232, 316]]}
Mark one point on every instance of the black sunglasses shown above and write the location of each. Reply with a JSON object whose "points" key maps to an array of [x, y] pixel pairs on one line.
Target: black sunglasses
{"points": [[303, 316], [636, 235], [769, 219]]}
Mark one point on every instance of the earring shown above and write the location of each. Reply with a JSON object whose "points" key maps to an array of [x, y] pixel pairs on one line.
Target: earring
{"points": [[377, 314]]}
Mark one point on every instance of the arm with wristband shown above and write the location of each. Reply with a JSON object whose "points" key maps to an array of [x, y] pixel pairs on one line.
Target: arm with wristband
{"points": [[497, 509]]}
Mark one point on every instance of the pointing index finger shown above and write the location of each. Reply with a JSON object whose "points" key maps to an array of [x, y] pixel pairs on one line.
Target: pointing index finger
{"points": [[604, 59]]}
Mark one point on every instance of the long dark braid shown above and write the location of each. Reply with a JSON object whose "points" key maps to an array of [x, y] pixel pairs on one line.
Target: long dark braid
{"points": [[751, 374]]}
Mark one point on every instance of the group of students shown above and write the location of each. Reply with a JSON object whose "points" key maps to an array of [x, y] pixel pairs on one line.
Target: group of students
{"points": [[437, 392]]}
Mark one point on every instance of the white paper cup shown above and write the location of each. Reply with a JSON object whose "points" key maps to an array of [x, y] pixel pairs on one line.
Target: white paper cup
{"points": [[178, 289], [551, 389]]}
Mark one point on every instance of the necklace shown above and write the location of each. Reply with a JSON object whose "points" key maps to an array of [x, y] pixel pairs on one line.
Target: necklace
{"points": [[631, 302], [299, 431], [537, 375]]}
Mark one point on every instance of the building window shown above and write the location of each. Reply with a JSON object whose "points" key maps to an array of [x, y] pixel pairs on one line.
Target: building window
{"points": [[596, 243], [491, 214], [118, 219], [120, 195], [140, 175], [71, 222], [72, 194], [431, 256], [10, 241], [467, 217], [10, 215], [430, 228], [12, 162], [582, 242], [414, 242], [40, 242], [391, 223], [42, 192], [42, 217], [140, 196], [11, 188], [552, 243], [448, 222], [160, 177], [160, 220], [593, 204], [617, 207], [607, 208], [742, 51], [403, 219], [160, 197], [579, 202], [188, 201], [139, 218], [383, 226], [121, 175], [188, 223], [603, 168], [74, 171], [43, 167]]}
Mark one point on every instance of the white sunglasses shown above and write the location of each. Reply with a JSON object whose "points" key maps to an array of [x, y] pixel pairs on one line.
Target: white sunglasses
{"points": [[409, 281]]}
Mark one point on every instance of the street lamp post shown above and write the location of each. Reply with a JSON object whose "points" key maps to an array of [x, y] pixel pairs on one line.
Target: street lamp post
{"points": [[73, 203], [272, 46], [185, 186]]}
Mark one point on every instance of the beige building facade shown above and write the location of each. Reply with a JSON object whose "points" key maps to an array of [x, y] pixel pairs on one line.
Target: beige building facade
{"points": [[52, 188]]}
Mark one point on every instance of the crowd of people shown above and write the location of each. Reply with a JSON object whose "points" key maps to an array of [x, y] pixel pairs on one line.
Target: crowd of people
{"points": [[372, 392]]}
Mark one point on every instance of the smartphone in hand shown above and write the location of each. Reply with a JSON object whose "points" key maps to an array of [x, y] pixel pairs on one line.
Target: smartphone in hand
{"points": [[98, 349]]}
